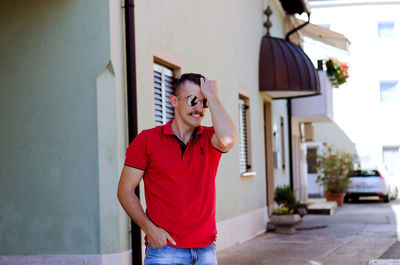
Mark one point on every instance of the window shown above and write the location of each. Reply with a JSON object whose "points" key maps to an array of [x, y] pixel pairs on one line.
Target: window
{"points": [[388, 91], [275, 134], [364, 173], [391, 157], [311, 160], [283, 143], [244, 163], [163, 84], [385, 30]]}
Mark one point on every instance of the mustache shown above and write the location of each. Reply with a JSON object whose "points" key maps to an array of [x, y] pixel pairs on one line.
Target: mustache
{"points": [[196, 112]]}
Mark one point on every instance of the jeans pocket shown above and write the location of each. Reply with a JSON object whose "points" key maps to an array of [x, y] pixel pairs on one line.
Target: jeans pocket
{"points": [[157, 248], [159, 255], [155, 251]]}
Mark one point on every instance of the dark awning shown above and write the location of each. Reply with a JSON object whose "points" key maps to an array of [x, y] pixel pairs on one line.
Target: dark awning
{"points": [[285, 71], [294, 6]]}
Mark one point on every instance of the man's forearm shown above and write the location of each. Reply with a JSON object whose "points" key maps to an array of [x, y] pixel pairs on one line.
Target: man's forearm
{"points": [[224, 127], [131, 204]]}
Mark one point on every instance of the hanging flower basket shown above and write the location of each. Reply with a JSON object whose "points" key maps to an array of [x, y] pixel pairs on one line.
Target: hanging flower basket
{"points": [[337, 71]]}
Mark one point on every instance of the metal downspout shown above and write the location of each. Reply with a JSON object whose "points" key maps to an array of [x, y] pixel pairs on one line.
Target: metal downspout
{"points": [[136, 241], [289, 110], [298, 28]]}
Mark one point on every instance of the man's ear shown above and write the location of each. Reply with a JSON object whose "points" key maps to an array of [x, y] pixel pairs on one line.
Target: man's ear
{"points": [[173, 100]]}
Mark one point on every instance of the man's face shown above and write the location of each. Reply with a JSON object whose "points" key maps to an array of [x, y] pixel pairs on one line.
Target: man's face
{"points": [[192, 116]]}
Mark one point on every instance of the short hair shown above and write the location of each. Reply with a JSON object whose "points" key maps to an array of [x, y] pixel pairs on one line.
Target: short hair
{"points": [[192, 77]]}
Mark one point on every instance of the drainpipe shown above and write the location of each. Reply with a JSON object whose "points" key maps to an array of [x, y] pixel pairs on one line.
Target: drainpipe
{"points": [[299, 27], [136, 236], [289, 112], [289, 108]]}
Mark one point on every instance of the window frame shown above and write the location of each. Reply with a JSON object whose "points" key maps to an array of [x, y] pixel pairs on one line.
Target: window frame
{"points": [[166, 59], [245, 106]]}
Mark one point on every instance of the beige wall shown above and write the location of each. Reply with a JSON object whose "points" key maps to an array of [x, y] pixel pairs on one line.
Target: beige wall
{"points": [[333, 135], [221, 40]]}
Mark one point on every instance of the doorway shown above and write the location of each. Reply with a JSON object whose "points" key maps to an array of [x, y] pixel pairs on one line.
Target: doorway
{"points": [[315, 190], [269, 160]]}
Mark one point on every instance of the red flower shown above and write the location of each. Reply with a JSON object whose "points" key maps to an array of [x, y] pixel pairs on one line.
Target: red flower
{"points": [[337, 71]]}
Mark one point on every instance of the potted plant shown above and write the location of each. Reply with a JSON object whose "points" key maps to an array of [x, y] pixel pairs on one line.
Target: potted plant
{"points": [[299, 208], [337, 71], [284, 196], [284, 220], [285, 217], [334, 168]]}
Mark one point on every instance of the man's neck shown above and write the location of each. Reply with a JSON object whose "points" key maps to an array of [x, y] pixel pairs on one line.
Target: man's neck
{"points": [[182, 131]]}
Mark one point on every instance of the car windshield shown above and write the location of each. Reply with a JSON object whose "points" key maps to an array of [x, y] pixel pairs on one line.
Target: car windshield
{"points": [[364, 173]]}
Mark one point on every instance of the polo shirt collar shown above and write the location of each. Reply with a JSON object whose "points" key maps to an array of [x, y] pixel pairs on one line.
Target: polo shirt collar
{"points": [[167, 130]]}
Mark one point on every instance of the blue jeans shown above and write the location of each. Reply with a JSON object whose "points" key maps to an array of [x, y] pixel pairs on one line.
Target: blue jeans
{"points": [[168, 255]]}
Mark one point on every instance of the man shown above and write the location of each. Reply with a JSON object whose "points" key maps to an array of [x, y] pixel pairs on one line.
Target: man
{"points": [[178, 163]]}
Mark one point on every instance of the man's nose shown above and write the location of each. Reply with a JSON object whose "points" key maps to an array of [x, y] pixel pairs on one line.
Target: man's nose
{"points": [[198, 107]]}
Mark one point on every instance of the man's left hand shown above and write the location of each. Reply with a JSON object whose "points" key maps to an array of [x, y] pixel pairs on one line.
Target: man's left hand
{"points": [[209, 88]]}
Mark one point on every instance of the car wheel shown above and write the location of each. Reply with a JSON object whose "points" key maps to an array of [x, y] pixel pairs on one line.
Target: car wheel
{"points": [[385, 198], [395, 193]]}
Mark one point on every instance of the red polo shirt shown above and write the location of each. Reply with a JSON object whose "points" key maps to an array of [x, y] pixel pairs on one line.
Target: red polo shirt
{"points": [[179, 182]]}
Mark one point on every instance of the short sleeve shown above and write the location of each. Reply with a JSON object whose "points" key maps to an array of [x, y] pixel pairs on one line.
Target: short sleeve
{"points": [[136, 153], [210, 133]]}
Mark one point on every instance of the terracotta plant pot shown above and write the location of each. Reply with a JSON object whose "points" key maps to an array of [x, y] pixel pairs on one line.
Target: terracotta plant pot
{"points": [[285, 224], [336, 197]]}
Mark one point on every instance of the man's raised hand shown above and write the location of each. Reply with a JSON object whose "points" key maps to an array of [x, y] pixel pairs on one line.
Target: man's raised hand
{"points": [[209, 88]]}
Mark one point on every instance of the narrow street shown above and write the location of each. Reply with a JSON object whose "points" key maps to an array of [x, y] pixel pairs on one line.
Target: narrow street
{"points": [[354, 234]]}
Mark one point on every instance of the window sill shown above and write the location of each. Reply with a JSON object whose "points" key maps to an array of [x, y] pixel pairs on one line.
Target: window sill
{"points": [[248, 174]]}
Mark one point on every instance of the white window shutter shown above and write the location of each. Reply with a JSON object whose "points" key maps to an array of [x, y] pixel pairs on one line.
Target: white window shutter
{"points": [[163, 89], [243, 161]]}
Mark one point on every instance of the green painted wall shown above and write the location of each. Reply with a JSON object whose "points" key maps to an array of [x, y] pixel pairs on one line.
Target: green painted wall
{"points": [[50, 56]]}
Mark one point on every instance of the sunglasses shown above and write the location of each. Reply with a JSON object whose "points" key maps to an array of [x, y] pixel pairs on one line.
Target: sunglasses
{"points": [[193, 100]]}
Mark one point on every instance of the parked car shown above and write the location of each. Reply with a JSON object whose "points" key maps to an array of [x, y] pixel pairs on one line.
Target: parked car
{"points": [[371, 182]]}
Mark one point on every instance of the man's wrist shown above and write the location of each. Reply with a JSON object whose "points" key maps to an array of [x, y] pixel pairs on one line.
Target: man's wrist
{"points": [[148, 227], [213, 99]]}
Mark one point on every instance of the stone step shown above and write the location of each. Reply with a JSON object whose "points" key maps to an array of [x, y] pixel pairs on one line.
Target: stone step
{"points": [[384, 262], [321, 206]]}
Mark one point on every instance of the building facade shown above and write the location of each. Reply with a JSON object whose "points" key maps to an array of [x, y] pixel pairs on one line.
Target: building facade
{"points": [[65, 118], [373, 28]]}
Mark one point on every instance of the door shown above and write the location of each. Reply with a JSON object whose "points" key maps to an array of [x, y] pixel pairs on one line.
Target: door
{"points": [[269, 160]]}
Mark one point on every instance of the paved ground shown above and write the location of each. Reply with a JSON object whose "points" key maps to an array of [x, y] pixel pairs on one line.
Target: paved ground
{"points": [[354, 234], [393, 252]]}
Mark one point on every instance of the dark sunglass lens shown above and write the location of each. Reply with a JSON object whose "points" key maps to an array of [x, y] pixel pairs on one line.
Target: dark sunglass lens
{"points": [[205, 103], [192, 100]]}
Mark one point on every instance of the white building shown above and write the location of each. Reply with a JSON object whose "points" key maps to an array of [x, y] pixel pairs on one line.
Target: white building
{"points": [[368, 105]]}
